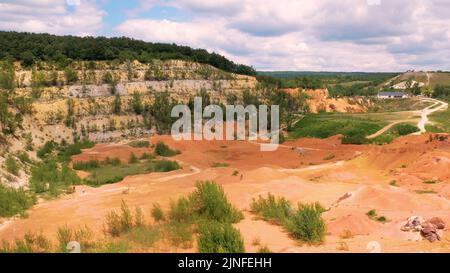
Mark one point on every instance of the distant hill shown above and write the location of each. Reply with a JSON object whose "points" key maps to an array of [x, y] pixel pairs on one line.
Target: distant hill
{"points": [[325, 74], [31, 47], [423, 78]]}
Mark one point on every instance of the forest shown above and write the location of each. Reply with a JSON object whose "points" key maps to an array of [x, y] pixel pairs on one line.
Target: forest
{"points": [[30, 48]]}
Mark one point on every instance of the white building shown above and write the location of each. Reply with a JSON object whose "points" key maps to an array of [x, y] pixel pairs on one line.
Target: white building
{"points": [[391, 95]]}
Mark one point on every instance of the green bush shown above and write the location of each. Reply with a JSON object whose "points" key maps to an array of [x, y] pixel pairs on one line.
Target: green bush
{"points": [[164, 166], [24, 157], [49, 176], [215, 237], [116, 223], [210, 202], [162, 149], [48, 147], [86, 165], [14, 201], [180, 233], [145, 156], [67, 151], [357, 139], [405, 129], [133, 159], [112, 161], [157, 213], [12, 166], [306, 224], [271, 208], [181, 211], [143, 235], [139, 144]]}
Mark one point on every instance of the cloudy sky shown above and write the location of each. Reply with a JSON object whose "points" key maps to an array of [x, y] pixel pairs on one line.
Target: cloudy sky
{"points": [[318, 35]]}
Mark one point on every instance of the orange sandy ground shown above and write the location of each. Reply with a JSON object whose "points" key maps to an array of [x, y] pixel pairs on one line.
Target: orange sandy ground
{"points": [[362, 171]]}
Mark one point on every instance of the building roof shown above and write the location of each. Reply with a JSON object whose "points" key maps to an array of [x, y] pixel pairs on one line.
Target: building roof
{"points": [[391, 94]]}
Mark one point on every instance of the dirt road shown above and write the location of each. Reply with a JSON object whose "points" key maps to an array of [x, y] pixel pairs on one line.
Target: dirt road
{"points": [[437, 106]]}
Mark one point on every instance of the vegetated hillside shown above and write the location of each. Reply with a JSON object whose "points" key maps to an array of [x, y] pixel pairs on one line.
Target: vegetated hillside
{"points": [[430, 78], [30, 48], [339, 84]]}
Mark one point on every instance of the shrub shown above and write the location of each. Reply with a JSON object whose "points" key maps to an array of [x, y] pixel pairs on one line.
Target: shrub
{"points": [[65, 235], [215, 237], [31, 243], [162, 149], [67, 151], [165, 166], [47, 176], [12, 166], [143, 235], [307, 224], [304, 224], [180, 234], [146, 156], [133, 159], [357, 139], [273, 209], [24, 157], [48, 147], [86, 165], [157, 213], [116, 223], [210, 202], [219, 165], [181, 211], [112, 161], [14, 201], [405, 129], [374, 216], [264, 249], [139, 144]]}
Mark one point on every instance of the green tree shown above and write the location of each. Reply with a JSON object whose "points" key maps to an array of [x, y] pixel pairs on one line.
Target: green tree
{"points": [[71, 75], [136, 103], [117, 105]]}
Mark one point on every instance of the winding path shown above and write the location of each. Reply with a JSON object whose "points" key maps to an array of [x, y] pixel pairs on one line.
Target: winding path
{"points": [[437, 106], [424, 113]]}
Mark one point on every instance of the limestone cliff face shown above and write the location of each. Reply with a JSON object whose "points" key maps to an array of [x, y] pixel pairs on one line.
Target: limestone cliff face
{"points": [[96, 85]]}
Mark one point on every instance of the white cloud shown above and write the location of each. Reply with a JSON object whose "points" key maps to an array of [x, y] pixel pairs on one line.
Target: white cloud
{"points": [[51, 16], [270, 34]]}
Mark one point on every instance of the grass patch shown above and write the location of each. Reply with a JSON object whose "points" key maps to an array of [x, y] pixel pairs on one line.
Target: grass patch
{"points": [[441, 121], [430, 182], [111, 171], [304, 223], [14, 201], [139, 144], [353, 128], [219, 165], [86, 165], [329, 157], [398, 130], [425, 192], [12, 166]]}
